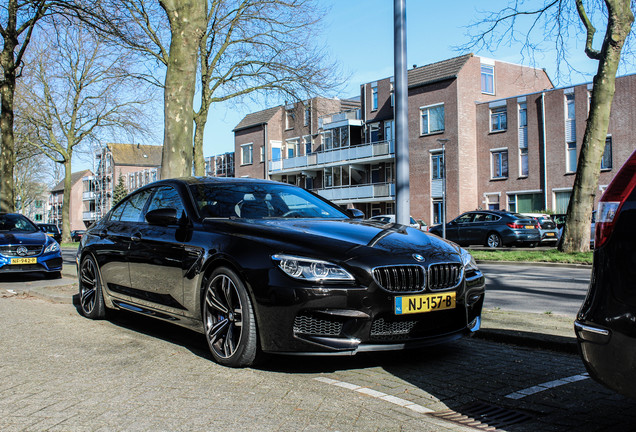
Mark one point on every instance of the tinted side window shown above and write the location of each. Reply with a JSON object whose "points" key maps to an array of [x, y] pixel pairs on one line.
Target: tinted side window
{"points": [[166, 197], [133, 206], [480, 217], [465, 218], [491, 218]]}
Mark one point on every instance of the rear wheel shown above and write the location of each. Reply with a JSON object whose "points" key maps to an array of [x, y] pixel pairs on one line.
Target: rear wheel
{"points": [[228, 319], [90, 290], [493, 240]]}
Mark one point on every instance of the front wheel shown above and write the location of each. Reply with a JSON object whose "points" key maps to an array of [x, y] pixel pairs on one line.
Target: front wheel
{"points": [[91, 298], [493, 240], [228, 319]]}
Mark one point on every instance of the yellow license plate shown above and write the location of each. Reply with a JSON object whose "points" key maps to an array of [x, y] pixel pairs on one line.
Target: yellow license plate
{"points": [[424, 303], [549, 234], [529, 226], [24, 260]]}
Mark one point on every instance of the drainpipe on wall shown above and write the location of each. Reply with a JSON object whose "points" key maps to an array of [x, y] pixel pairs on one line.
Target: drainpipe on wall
{"points": [[545, 165], [265, 169]]}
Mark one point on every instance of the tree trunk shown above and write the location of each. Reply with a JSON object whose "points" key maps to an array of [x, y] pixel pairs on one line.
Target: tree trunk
{"points": [[577, 229], [7, 93], [199, 161], [187, 24], [66, 208]]}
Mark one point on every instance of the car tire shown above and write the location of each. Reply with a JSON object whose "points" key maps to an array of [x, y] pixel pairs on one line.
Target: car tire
{"points": [[532, 245], [91, 297], [493, 240], [228, 319], [53, 275]]}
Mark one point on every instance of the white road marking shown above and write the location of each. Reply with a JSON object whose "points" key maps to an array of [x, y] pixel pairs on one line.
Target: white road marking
{"points": [[376, 394], [546, 386]]}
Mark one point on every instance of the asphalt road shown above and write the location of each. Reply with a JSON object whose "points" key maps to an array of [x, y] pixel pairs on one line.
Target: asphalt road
{"points": [[538, 289]]}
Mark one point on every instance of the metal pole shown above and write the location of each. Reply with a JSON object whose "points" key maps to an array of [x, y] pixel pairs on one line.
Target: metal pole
{"points": [[443, 143], [402, 192]]}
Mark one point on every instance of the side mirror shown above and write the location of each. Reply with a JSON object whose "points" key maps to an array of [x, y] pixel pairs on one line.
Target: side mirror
{"points": [[355, 213], [162, 216]]}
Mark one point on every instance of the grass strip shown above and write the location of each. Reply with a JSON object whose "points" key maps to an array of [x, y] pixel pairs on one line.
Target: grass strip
{"points": [[550, 256]]}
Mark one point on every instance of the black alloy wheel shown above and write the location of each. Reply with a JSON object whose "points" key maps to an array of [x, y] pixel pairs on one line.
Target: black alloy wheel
{"points": [[493, 240], [228, 319], [90, 290]]}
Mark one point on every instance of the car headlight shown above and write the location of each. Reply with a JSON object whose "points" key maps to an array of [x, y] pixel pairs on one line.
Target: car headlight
{"points": [[310, 269], [468, 261], [53, 247]]}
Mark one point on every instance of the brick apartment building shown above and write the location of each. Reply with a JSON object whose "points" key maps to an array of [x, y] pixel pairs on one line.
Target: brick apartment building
{"points": [[81, 202], [137, 164], [352, 152], [529, 145]]}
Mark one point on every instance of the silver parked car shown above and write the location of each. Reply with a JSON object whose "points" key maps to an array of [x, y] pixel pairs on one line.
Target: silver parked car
{"points": [[547, 228]]}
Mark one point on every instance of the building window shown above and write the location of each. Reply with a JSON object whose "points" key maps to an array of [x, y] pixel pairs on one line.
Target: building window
{"points": [[523, 140], [374, 97], [526, 202], [289, 119], [438, 211], [374, 132], [327, 140], [307, 116], [487, 79], [389, 130], [492, 202], [432, 119], [392, 94], [437, 168], [262, 152], [246, 154], [606, 162], [499, 164], [570, 133], [498, 119], [307, 144], [292, 148]]}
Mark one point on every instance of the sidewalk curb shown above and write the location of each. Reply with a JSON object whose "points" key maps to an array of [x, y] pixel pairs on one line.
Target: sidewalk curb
{"points": [[530, 340], [536, 264]]}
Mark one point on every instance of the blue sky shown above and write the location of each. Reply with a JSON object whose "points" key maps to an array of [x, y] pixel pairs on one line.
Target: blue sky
{"points": [[359, 35]]}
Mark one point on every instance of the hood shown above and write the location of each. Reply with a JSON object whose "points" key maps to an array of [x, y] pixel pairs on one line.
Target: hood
{"points": [[24, 238], [345, 238]]}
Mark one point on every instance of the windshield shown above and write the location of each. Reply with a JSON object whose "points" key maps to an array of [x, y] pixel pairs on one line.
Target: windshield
{"points": [[16, 223], [260, 201]]}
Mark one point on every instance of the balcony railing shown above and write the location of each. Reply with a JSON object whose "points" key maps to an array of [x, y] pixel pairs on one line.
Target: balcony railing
{"points": [[358, 192], [89, 195], [342, 154], [323, 122], [89, 216]]}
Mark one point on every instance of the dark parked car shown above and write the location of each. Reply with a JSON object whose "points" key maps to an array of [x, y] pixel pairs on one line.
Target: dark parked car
{"points": [[25, 248], [257, 266], [77, 235], [493, 228], [52, 231], [606, 324]]}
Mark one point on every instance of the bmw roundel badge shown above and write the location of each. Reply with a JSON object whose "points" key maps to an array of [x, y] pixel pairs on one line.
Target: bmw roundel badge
{"points": [[418, 257]]}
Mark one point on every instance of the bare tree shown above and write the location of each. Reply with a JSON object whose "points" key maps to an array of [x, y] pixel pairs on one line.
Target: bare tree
{"points": [[260, 47], [244, 47], [80, 90], [552, 21], [18, 19]]}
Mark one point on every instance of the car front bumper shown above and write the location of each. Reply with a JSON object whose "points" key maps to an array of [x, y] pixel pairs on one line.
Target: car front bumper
{"points": [[344, 321], [50, 262]]}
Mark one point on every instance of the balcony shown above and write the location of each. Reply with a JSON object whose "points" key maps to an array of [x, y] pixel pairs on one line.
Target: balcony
{"points": [[88, 196], [89, 216], [359, 193], [345, 118], [362, 153]]}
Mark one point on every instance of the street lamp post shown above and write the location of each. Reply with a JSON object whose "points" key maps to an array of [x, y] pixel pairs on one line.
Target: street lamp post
{"points": [[443, 143]]}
